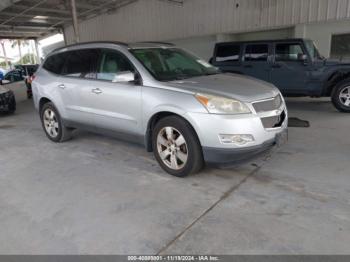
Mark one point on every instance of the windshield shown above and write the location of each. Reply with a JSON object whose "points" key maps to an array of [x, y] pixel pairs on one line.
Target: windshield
{"points": [[312, 49], [167, 64]]}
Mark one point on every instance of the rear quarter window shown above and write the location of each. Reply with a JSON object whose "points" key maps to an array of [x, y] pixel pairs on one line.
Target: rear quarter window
{"points": [[81, 63], [54, 63]]}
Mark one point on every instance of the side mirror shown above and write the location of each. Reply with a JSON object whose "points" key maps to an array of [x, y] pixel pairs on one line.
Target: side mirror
{"points": [[303, 58], [124, 77]]}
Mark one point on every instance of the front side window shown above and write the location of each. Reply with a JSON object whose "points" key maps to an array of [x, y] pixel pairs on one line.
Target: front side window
{"points": [[167, 64], [289, 52], [81, 63], [256, 52], [112, 63], [228, 53]]}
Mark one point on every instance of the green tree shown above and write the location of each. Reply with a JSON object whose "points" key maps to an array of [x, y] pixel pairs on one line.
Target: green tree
{"points": [[2, 42], [27, 59], [3, 64], [19, 43]]}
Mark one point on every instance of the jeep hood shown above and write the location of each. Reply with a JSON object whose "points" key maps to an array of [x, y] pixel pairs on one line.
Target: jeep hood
{"points": [[235, 86], [334, 62]]}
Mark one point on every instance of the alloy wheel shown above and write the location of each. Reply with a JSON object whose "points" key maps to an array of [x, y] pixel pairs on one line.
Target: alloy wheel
{"points": [[172, 148], [50, 123], [344, 96]]}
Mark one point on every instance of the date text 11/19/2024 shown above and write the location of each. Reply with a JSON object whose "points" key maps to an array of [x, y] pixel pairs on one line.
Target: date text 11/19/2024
{"points": [[173, 258]]}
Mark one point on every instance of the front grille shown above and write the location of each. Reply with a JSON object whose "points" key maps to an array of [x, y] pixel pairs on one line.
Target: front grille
{"points": [[268, 105], [273, 121]]}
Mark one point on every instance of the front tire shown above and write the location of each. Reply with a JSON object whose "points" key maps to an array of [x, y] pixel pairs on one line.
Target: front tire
{"points": [[341, 96], [176, 147], [53, 125]]}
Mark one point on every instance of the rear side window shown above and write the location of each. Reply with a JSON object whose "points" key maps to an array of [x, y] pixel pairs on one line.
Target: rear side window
{"points": [[228, 53], [81, 63], [289, 52], [54, 63], [257, 52]]}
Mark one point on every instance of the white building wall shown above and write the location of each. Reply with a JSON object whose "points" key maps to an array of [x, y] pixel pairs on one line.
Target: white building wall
{"points": [[160, 20], [322, 33]]}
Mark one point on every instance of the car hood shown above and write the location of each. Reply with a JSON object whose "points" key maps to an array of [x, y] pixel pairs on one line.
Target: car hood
{"points": [[235, 86], [3, 89]]}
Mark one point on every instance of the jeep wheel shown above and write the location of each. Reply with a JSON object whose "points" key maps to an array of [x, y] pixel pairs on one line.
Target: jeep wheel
{"points": [[53, 125], [12, 106], [176, 147], [341, 96]]}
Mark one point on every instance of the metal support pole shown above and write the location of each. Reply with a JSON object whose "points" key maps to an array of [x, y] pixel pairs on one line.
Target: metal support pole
{"points": [[4, 51], [75, 21], [38, 60], [63, 32]]}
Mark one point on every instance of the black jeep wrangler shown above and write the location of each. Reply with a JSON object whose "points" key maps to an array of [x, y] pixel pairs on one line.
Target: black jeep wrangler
{"points": [[295, 66]]}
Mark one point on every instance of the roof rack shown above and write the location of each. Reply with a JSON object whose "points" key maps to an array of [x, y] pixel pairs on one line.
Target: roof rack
{"points": [[154, 42], [92, 42]]}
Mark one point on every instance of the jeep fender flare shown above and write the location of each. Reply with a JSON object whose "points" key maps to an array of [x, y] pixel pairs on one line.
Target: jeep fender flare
{"points": [[334, 79]]}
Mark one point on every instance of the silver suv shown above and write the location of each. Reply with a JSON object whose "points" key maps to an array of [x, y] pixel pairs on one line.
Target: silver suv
{"points": [[177, 105]]}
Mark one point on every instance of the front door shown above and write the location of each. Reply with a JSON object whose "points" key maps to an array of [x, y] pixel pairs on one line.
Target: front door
{"points": [[290, 70], [256, 61], [117, 105]]}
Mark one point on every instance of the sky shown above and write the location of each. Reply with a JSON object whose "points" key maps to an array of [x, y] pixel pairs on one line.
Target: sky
{"points": [[13, 53]]}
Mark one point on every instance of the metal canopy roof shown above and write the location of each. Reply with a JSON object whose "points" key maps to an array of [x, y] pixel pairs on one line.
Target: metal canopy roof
{"points": [[33, 19]]}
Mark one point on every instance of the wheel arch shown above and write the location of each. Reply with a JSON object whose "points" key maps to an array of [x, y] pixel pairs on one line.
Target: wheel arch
{"points": [[42, 102], [334, 79], [152, 122]]}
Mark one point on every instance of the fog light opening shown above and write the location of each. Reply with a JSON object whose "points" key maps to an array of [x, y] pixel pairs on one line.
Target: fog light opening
{"points": [[239, 140]]}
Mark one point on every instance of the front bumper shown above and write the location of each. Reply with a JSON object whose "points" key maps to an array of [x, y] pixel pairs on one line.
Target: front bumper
{"points": [[226, 155], [266, 130]]}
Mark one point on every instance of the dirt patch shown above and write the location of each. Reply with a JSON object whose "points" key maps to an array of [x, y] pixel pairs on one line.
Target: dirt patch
{"points": [[296, 122]]}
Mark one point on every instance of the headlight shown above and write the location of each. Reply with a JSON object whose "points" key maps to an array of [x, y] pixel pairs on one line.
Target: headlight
{"points": [[222, 105]]}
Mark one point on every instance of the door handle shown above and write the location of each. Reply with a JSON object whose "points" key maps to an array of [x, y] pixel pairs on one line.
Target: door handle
{"points": [[62, 86], [97, 91], [248, 66]]}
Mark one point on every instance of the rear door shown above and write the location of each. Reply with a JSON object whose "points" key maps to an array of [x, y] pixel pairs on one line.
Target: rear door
{"points": [[256, 60], [289, 70], [76, 83]]}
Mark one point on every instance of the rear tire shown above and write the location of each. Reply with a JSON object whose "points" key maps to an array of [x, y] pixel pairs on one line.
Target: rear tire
{"points": [[341, 96], [176, 147], [53, 125]]}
